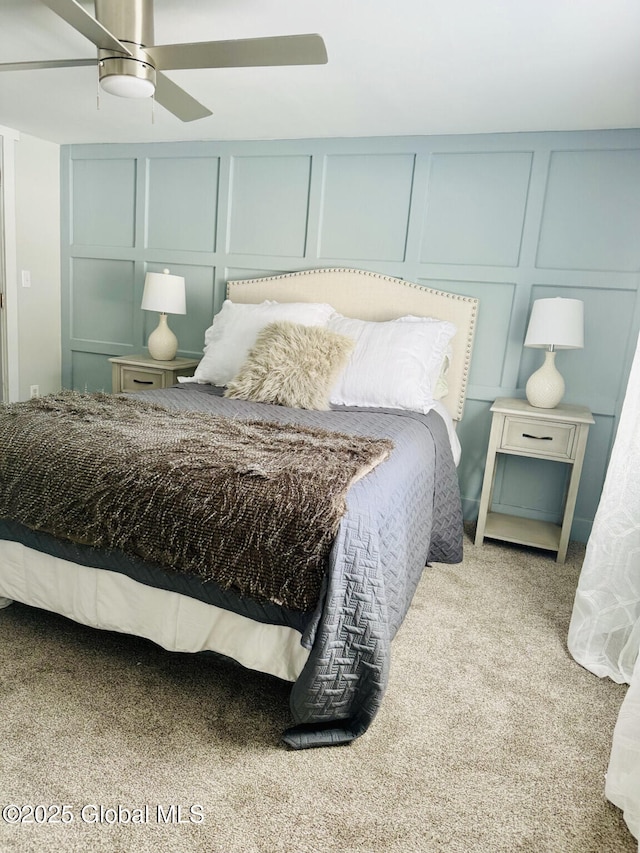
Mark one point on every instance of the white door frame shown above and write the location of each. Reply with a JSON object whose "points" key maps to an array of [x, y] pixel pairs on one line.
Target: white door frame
{"points": [[9, 271]]}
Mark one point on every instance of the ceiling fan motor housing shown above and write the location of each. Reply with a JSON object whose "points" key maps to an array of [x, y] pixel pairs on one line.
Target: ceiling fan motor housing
{"points": [[132, 24]]}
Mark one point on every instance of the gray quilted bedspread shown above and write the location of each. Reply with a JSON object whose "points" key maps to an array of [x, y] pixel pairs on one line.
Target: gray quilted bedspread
{"points": [[400, 516]]}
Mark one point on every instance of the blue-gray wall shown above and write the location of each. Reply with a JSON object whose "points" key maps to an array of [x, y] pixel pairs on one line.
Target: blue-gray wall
{"points": [[506, 218]]}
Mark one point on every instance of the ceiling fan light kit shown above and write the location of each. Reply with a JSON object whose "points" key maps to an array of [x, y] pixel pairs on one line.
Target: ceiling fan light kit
{"points": [[125, 85], [126, 77], [130, 65]]}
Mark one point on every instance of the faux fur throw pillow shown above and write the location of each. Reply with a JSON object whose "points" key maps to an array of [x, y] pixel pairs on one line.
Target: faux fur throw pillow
{"points": [[292, 365]]}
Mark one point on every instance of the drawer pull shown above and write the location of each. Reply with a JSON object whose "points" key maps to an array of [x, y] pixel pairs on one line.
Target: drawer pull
{"points": [[538, 437], [143, 381]]}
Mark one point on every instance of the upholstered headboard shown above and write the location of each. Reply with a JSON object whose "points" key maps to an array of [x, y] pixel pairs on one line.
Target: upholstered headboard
{"points": [[372, 296]]}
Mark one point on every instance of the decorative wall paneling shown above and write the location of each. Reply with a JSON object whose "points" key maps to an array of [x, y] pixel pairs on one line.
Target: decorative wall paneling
{"points": [[506, 218]]}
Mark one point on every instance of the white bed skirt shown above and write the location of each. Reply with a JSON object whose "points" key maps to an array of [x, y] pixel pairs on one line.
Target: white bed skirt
{"points": [[114, 602]]}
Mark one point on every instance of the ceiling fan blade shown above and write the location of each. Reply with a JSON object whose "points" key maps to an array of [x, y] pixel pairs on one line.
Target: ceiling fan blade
{"points": [[237, 53], [177, 101], [46, 63], [74, 14]]}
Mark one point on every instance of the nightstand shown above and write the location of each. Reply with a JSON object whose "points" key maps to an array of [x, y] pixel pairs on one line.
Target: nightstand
{"points": [[141, 372], [519, 429]]}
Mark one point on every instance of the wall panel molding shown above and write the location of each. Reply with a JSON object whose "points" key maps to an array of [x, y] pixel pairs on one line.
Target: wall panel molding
{"points": [[507, 217]]}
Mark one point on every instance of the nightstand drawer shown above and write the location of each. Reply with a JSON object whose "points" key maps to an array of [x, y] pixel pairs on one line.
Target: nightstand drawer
{"points": [[542, 438], [133, 379]]}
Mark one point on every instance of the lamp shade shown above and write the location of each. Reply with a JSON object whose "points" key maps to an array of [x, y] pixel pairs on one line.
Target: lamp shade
{"points": [[164, 293], [556, 323]]}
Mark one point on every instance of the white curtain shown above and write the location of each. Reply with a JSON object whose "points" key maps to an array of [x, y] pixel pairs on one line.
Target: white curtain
{"points": [[604, 634]]}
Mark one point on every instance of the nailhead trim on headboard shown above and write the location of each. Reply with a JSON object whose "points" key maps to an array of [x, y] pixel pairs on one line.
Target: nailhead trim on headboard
{"points": [[469, 318]]}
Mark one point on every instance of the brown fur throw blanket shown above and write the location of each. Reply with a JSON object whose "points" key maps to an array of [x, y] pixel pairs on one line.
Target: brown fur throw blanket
{"points": [[252, 505]]}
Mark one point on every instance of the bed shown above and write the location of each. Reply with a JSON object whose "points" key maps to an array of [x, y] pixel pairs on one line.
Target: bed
{"points": [[312, 592]]}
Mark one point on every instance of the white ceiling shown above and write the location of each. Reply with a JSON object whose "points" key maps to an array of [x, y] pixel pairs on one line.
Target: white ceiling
{"points": [[409, 67]]}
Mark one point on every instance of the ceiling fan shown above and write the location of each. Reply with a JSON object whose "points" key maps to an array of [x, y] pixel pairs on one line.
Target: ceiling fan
{"points": [[130, 65]]}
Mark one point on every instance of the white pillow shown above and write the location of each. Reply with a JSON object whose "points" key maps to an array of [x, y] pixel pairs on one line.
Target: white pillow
{"points": [[395, 364], [236, 327]]}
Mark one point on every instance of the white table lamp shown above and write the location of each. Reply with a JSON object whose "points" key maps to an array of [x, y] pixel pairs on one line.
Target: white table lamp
{"points": [[554, 324], [164, 293]]}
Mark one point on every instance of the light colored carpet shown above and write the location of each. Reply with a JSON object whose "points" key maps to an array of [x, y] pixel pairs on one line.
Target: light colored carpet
{"points": [[490, 738]]}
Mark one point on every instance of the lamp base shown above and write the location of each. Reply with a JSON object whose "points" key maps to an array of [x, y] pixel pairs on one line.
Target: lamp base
{"points": [[545, 388], [162, 343]]}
